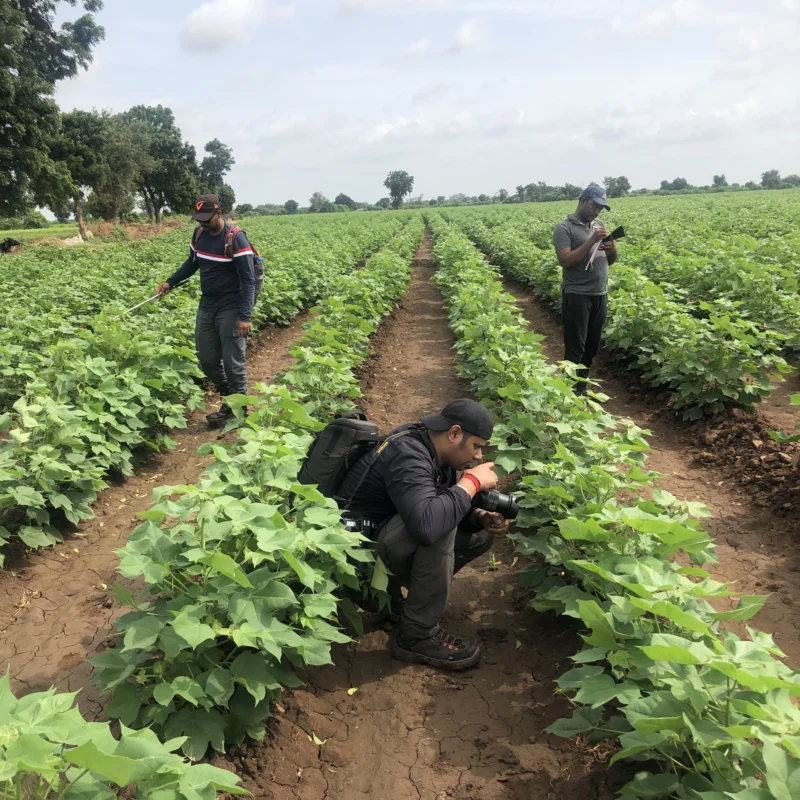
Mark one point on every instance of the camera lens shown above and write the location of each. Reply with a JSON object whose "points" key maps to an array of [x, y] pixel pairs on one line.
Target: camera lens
{"points": [[505, 504]]}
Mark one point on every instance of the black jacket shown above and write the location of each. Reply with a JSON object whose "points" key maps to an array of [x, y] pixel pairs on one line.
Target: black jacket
{"points": [[407, 480]]}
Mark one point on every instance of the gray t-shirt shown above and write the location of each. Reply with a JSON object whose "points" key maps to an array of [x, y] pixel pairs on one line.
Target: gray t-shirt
{"points": [[572, 233]]}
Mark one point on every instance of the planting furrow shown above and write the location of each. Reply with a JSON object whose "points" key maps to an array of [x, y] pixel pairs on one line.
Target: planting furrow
{"points": [[707, 364], [750, 541], [411, 732], [56, 607], [86, 386], [243, 569], [657, 676]]}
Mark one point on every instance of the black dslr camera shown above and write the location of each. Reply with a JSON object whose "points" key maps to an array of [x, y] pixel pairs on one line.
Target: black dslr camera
{"points": [[505, 504]]}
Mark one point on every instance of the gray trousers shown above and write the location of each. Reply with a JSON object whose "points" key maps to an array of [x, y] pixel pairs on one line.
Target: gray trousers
{"points": [[426, 572], [221, 351]]}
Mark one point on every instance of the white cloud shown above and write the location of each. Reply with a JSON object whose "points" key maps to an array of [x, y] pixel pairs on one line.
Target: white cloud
{"points": [[666, 15], [468, 37], [426, 94], [218, 24], [419, 48]]}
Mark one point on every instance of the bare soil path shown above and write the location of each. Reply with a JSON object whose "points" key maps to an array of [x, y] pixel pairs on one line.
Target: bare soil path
{"points": [[56, 607], [756, 548], [410, 731]]}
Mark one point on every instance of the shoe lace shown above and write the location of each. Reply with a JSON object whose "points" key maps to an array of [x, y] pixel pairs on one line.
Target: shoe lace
{"points": [[448, 641]]}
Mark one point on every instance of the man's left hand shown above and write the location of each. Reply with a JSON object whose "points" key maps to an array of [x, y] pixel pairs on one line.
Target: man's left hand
{"points": [[609, 246], [490, 521], [245, 327]]}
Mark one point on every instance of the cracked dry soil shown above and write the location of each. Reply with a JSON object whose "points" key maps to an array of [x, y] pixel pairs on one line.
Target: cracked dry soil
{"points": [[56, 607], [411, 731], [755, 546]]}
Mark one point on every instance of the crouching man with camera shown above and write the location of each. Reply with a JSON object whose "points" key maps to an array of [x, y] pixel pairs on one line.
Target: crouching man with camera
{"points": [[421, 494]]}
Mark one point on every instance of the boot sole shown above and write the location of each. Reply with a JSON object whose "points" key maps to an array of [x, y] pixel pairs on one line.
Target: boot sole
{"points": [[410, 657]]}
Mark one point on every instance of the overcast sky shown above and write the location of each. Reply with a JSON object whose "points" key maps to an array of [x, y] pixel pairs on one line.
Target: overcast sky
{"points": [[467, 95]]}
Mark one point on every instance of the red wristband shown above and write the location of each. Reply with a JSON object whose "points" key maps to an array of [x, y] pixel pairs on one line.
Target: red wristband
{"points": [[474, 480]]}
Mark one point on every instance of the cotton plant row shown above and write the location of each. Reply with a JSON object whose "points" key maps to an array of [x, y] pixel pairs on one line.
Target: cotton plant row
{"points": [[246, 570], [87, 387], [708, 364], [657, 671], [47, 750]]}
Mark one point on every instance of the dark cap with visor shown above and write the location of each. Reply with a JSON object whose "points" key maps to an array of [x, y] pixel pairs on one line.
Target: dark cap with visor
{"points": [[471, 416], [597, 194], [205, 207]]}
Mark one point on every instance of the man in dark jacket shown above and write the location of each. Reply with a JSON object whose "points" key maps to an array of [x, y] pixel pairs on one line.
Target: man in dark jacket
{"points": [[585, 260], [420, 493], [223, 318]]}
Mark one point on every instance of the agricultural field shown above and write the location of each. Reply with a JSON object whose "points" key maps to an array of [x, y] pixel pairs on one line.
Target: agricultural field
{"points": [[32, 235], [203, 598]]}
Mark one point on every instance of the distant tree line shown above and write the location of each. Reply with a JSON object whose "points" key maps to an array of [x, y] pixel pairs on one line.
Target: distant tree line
{"points": [[401, 184]]}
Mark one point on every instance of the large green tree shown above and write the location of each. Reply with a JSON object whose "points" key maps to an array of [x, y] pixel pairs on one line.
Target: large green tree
{"points": [[771, 179], [171, 181], [34, 54], [81, 148], [127, 159], [399, 183], [213, 169], [342, 199], [617, 187]]}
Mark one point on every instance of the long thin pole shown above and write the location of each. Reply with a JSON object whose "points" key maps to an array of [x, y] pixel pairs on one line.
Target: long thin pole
{"points": [[139, 305], [150, 299]]}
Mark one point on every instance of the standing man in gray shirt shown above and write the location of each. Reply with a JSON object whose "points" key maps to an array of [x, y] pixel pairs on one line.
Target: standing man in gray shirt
{"points": [[585, 279]]}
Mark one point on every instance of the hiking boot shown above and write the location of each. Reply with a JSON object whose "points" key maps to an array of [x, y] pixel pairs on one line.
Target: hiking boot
{"points": [[439, 650], [221, 417]]}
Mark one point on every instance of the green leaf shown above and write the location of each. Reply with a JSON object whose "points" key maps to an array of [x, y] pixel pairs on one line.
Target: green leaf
{"points": [[602, 631], [226, 566], [589, 531], [748, 606], [189, 628], [220, 686], [647, 785], [673, 653], [142, 635], [307, 575], [783, 780], [252, 672], [188, 689], [583, 720], [36, 537], [126, 704], [380, 576], [31, 753], [200, 776], [123, 596], [663, 608], [117, 769], [163, 694]]}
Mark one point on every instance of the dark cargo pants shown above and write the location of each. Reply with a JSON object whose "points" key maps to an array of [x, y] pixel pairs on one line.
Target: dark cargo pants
{"points": [[426, 572], [221, 351], [584, 317]]}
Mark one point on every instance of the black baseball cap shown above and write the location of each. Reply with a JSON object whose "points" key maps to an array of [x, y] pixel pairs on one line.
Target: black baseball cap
{"points": [[205, 207], [597, 194], [471, 416]]}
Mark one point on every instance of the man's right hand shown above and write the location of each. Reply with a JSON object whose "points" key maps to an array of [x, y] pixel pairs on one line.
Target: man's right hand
{"points": [[598, 234], [163, 288], [485, 474]]}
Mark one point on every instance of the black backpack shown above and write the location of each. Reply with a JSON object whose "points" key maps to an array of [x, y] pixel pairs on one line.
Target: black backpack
{"points": [[336, 450]]}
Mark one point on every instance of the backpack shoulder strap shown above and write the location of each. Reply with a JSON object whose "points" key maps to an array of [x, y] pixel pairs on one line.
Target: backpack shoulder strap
{"points": [[371, 463], [230, 240], [196, 235]]}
